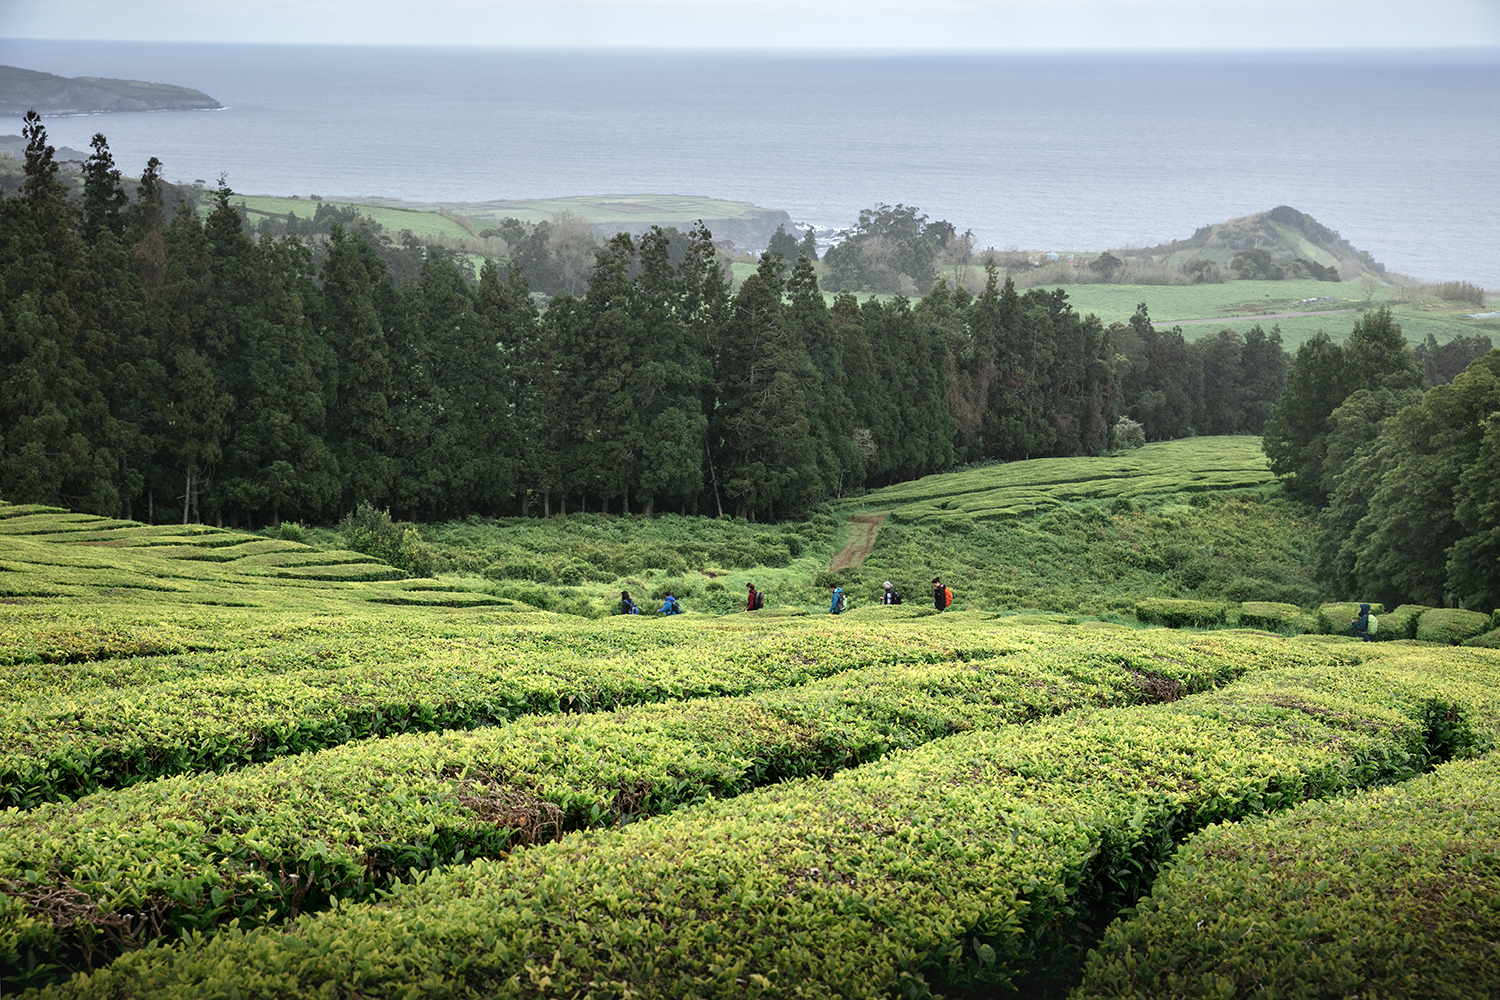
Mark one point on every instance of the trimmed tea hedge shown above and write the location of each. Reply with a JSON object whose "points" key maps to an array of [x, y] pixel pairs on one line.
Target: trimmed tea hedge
{"points": [[258, 844], [1394, 894], [1400, 623], [978, 863], [1175, 613], [206, 713], [1270, 616], [1451, 625]]}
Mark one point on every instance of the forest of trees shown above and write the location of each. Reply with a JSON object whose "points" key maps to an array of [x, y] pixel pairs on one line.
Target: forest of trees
{"points": [[1403, 471], [171, 368]]}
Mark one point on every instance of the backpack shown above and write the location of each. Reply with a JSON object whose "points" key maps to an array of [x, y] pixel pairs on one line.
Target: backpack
{"points": [[1374, 624], [843, 601], [947, 597], [895, 597], [760, 600]]}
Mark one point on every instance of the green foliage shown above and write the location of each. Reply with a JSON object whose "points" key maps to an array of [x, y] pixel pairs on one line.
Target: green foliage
{"points": [[352, 821], [1270, 615], [1450, 625], [895, 799], [978, 862], [373, 532], [1391, 893], [1401, 623], [1175, 613], [1488, 640], [1413, 517], [1097, 535]]}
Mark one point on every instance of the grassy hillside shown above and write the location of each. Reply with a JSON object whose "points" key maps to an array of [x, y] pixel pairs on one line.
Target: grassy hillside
{"points": [[1239, 305], [421, 223], [417, 788], [1197, 518], [740, 221], [1185, 519], [1285, 232]]}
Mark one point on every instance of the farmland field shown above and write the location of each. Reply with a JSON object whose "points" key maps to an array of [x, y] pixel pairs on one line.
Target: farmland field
{"points": [[1237, 304], [239, 765], [421, 223]]}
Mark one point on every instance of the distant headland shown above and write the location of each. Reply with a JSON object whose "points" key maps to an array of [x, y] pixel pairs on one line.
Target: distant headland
{"points": [[23, 90]]}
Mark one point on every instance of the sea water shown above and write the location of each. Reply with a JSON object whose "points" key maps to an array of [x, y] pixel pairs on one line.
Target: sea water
{"points": [[1397, 151]]}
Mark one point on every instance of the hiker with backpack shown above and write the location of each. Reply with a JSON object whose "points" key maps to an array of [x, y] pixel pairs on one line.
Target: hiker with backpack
{"points": [[942, 597], [836, 603], [891, 595], [754, 600], [670, 607], [1363, 624], [627, 606]]}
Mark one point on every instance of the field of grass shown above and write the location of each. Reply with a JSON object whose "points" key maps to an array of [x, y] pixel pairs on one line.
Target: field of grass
{"points": [[1239, 301], [1198, 518], [682, 211], [241, 765], [422, 224]]}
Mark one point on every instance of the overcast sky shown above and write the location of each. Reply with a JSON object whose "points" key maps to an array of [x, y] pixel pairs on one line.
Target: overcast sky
{"points": [[893, 24]]}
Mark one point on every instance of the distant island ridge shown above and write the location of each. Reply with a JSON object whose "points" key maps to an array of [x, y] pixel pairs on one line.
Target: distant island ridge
{"points": [[23, 90]]}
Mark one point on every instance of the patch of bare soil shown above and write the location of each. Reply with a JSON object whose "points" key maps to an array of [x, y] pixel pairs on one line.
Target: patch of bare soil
{"points": [[861, 541]]}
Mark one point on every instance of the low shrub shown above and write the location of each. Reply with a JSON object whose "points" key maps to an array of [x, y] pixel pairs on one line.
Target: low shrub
{"points": [[1175, 613], [978, 865], [1271, 616], [1392, 893], [1451, 625], [1400, 623], [373, 532], [1487, 640]]}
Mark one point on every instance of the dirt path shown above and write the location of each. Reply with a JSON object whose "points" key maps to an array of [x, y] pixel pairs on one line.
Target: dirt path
{"points": [[1246, 319], [861, 541]]}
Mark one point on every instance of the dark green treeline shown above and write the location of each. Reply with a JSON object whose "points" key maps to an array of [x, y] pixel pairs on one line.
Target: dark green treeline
{"points": [[173, 369]]}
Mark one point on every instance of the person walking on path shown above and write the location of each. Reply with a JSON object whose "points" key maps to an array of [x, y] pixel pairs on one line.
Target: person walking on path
{"points": [[753, 601], [670, 607], [939, 593], [627, 606], [891, 595], [836, 600]]}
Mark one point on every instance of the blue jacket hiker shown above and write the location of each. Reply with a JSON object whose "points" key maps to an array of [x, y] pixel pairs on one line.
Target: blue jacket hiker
{"points": [[670, 607], [836, 604]]}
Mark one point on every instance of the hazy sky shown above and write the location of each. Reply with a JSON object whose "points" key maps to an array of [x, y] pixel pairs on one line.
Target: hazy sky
{"points": [[894, 24]]}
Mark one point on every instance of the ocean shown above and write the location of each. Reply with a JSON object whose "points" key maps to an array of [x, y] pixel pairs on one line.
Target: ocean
{"points": [[1397, 151]]}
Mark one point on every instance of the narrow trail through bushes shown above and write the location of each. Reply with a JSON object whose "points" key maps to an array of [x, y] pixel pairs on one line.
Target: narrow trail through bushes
{"points": [[861, 541]]}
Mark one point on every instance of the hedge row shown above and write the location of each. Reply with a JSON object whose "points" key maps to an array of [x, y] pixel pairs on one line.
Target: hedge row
{"points": [[978, 863], [191, 852], [1271, 616], [1393, 894], [1175, 613], [228, 710]]}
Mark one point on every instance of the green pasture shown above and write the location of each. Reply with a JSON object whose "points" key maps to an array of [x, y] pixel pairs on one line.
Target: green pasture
{"points": [[682, 211], [1199, 518], [1240, 304], [422, 223], [239, 764]]}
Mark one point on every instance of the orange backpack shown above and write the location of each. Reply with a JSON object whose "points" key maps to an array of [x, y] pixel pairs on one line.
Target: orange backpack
{"points": [[947, 597]]}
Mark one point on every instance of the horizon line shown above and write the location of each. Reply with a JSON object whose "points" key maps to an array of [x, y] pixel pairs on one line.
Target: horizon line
{"points": [[1465, 47]]}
